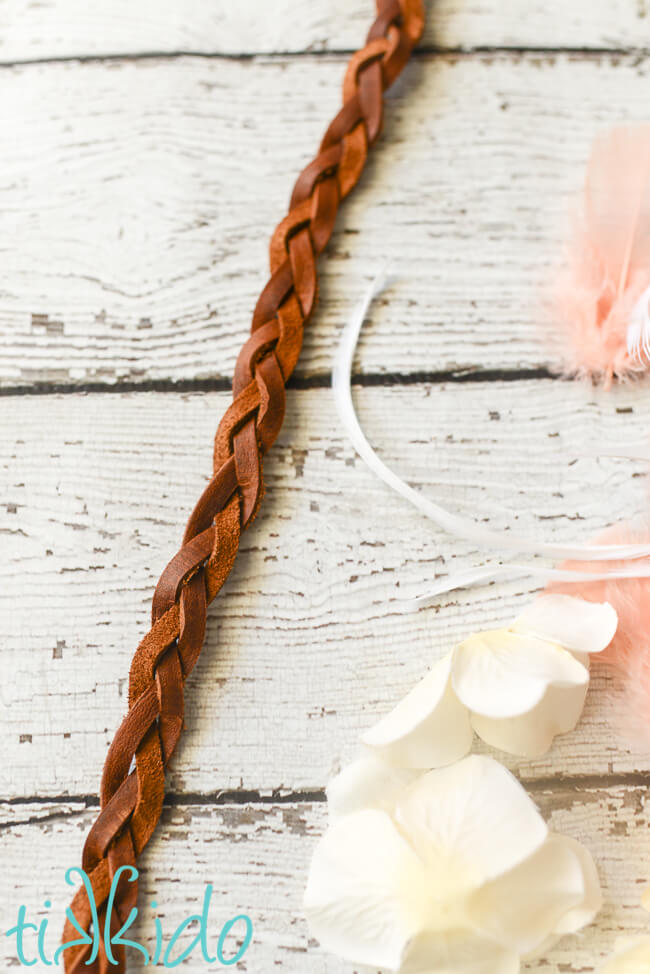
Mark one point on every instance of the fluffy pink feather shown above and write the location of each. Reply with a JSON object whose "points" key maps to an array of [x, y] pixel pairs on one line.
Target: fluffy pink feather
{"points": [[628, 655], [601, 292]]}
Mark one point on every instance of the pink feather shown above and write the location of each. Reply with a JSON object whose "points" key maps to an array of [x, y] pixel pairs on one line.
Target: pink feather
{"points": [[600, 299], [628, 655]]}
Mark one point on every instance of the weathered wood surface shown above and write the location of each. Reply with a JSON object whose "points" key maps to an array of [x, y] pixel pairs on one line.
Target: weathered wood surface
{"points": [[247, 851], [138, 197], [134, 236], [310, 641], [69, 28]]}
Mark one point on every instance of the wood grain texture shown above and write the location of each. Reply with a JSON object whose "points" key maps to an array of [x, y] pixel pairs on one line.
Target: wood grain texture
{"points": [[140, 198], [248, 850], [310, 642], [68, 28]]}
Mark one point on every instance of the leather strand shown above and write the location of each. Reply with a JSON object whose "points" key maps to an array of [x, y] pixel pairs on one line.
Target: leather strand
{"points": [[132, 786]]}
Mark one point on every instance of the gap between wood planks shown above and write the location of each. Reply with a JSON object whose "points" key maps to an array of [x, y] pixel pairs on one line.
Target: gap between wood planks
{"points": [[567, 783], [319, 381], [424, 51]]}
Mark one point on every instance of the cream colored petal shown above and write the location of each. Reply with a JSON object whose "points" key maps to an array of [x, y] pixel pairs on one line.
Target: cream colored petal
{"points": [[367, 893], [504, 674], [585, 627], [428, 728], [472, 818], [592, 901], [531, 734], [522, 908], [368, 782], [631, 956], [459, 951]]}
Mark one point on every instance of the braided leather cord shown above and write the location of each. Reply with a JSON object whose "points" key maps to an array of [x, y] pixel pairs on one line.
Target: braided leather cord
{"points": [[132, 786]]}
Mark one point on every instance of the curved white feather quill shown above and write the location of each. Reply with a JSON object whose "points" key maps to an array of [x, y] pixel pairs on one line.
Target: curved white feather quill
{"points": [[638, 330], [456, 524], [512, 571]]}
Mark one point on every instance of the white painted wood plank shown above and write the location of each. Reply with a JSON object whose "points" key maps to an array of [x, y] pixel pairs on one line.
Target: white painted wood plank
{"points": [[308, 643], [65, 28], [245, 851], [139, 199]]}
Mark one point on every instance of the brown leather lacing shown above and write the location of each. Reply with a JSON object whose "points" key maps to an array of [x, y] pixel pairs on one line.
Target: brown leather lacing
{"points": [[132, 797]]}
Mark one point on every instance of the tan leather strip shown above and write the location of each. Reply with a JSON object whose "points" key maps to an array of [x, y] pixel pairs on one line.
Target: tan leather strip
{"points": [[132, 789], [325, 163], [303, 269], [255, 350], [193, 608], [325, 204], [288, 347], [248, 463], [109, 823], [237, 414], [272, 401], [276, 291], [132, 729]]}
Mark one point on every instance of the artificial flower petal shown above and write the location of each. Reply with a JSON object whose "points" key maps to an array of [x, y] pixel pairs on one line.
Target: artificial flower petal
{"points": [[428, 728], [367, 894], [500, 673], [519, 908], [592, 901], [368, 782], [531, 735], [584, 627], [631, 956], [473, 813], [459, 951]]}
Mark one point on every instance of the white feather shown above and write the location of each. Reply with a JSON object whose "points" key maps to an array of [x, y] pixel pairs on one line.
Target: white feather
{"points": [[638, 330], [513, 571], [456, 524]]}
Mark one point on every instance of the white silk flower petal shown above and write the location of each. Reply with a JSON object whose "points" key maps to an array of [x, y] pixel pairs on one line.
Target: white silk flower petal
{"points": [[428, 728], [522, 908], [578, 625], [582, 914], [367, 894], [473, 818], [499, 673], [459, 951], [531, 735], [368, 782], [631, 956]]}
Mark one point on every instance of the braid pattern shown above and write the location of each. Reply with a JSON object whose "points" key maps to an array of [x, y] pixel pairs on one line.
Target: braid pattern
{"points": [[132, 786]]}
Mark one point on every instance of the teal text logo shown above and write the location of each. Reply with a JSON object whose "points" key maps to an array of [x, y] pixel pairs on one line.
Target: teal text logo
{"points": [[231, 945]]}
